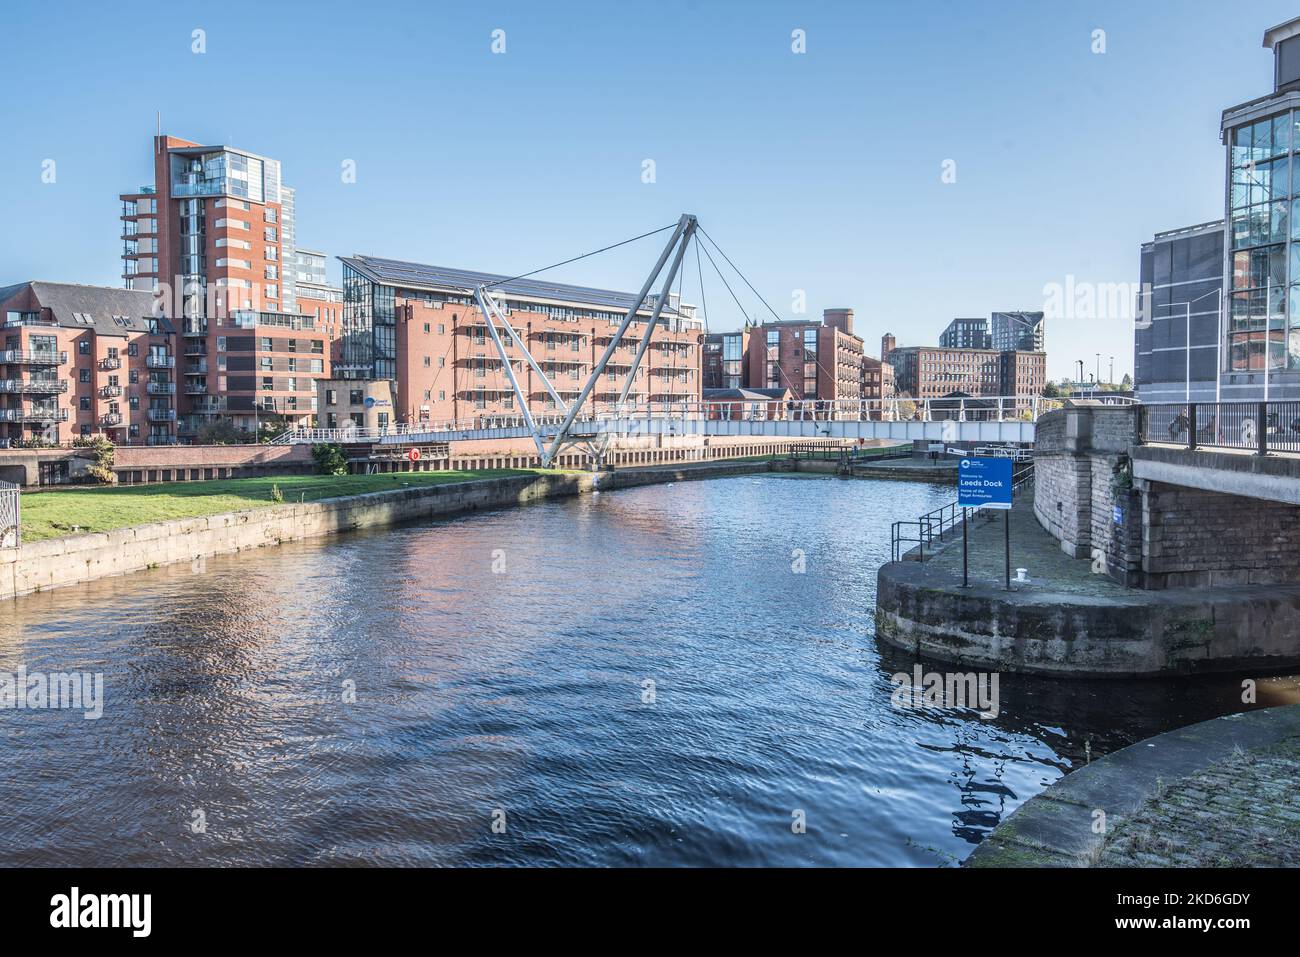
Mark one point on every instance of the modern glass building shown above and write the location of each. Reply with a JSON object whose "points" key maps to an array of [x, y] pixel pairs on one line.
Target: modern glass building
{"points": [[1262, 263]]}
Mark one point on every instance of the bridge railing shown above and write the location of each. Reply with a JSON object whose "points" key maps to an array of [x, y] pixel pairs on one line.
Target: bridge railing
{"points": [[1259, 427], [1026, 408], [937, 525], [10, 515]]}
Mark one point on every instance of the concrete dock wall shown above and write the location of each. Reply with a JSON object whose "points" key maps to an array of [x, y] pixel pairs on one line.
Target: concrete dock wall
{"points": [[39, 566], [1191, 631]]}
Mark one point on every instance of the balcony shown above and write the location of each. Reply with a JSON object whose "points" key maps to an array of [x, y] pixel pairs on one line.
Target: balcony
{"points": [[34, 386], [33, 415], [154, 361], [27, 319], [162, 415], [18, 357], [110, 391], [208, 405], [161, 440], [196, 388], [161, 388], [195, 329], [196, 348], [197, 368], [110, 419], [110, 363]]}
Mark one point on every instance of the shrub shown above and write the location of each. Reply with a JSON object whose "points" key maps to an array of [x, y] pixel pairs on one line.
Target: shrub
{"points": [[329, 458], [276, 494], [102, 469], [221, 432]]}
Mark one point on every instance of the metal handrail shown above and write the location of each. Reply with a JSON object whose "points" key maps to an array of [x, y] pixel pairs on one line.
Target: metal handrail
{"points": [[936, 523], [1259, 427]]}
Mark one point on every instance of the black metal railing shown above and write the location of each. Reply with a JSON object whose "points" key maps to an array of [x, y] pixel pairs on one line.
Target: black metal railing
{"points": [[1259, 427], [938, 524]]}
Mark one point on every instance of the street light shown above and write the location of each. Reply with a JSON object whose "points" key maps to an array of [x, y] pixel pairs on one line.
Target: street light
{"points": [[1219, 345]]}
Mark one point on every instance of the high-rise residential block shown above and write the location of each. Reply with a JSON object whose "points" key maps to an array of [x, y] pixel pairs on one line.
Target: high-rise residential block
{"points": [[215, 235]]}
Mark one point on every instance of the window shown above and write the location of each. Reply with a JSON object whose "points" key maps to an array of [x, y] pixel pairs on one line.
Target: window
{"points": [[426, 362], [356, 397], [331, 397], [83, 347]]}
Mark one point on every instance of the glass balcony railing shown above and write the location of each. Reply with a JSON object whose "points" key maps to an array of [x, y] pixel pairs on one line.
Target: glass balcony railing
{"points": [[38, 358], [160, 362], [33, 415], [161, 388], [162, 415], [34, 386]]}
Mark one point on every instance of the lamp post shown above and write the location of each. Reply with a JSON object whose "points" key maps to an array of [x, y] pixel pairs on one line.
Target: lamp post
{"points": [[1187, 306]]}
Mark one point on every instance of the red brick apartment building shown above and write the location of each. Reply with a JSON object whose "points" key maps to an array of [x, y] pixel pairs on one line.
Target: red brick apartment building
{"points": [[216, 234], [814, 359], [933, 372], [79, 360], [420, 327]]}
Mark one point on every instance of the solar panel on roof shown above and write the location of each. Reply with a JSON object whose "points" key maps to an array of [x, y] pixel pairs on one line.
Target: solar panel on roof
{"points": [[465, 280]]}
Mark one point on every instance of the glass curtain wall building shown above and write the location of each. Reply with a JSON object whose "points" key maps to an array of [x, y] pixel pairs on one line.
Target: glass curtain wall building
{"points": [[1262, 261]]}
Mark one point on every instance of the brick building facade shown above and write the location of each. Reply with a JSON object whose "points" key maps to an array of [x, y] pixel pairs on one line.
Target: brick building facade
{"points": [[82, 360], [420, 327]]}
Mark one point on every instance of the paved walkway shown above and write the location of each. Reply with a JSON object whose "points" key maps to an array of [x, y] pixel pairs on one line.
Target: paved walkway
{"points": [[1221, 793]]}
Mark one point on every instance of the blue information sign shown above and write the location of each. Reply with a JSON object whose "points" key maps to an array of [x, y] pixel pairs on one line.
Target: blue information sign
{"points": [[984, 483]]}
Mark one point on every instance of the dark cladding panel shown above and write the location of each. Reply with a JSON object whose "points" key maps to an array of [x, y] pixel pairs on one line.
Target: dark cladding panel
{"points": [[1288, 63]]}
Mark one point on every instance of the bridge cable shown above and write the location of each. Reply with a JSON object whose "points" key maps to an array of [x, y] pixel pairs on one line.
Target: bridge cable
{"points": [[704, 300], [594, 252], [714, 264], [739, 273]]}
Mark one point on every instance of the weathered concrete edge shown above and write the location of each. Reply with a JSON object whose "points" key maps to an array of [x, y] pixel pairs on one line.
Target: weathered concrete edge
{"points": [[57, 562], [1057, 827], [1177, 631]]}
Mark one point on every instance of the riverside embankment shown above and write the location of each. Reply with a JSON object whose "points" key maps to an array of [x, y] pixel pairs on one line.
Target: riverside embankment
{"points": [[55, 562], [1068, 618], [1220, 793]]}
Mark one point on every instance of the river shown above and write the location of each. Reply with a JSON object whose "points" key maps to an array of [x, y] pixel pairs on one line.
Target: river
{"points": [[668, 675]]}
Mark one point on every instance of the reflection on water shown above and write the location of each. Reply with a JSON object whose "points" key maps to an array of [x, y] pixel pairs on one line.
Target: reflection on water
{"points": [[524, 696]]}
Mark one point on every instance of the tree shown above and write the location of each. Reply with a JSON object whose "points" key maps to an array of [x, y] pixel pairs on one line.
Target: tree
{"points": [[1126, 383], [221, 432], [1051, 390], [330, 459], [102, 470]]}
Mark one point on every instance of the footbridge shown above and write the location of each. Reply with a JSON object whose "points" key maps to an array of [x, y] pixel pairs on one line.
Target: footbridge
{"points": [[1006, 419]]}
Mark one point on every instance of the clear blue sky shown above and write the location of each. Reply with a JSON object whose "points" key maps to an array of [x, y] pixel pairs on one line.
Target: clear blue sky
{"points": [[818, 171]]}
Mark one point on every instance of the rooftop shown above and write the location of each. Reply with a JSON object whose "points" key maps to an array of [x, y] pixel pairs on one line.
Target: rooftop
{"points": [[408, 275], [109, 310]]}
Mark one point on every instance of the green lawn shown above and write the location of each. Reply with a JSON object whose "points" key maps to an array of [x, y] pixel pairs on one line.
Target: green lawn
{"points": [[54, 514]]}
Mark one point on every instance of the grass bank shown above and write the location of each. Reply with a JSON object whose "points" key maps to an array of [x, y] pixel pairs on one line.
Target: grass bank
{"points": [[54, 514]]}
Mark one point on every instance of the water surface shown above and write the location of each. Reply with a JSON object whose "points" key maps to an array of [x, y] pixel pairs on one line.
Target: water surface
{"points": [[501, 665]]}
